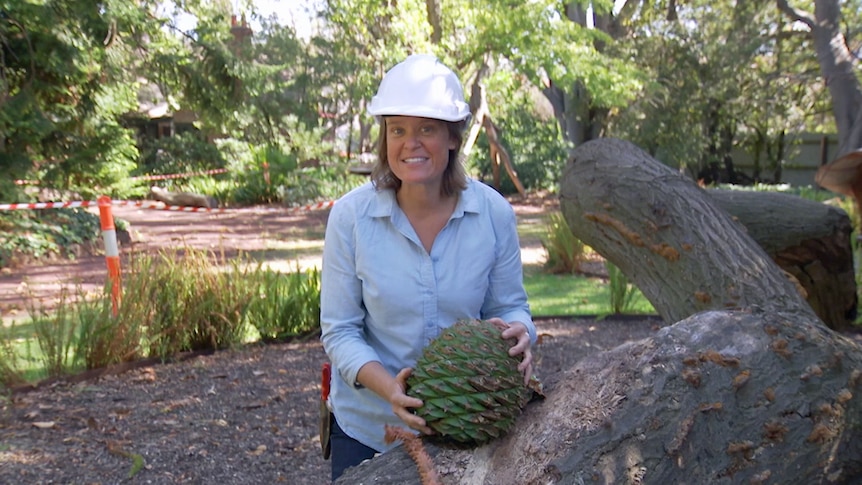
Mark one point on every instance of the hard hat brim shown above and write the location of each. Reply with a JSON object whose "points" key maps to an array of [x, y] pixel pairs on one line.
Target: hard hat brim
{"points": [[420, 112]]}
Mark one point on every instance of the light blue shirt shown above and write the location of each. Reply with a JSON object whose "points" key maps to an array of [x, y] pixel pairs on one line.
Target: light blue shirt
{"points": [[384, 298]]}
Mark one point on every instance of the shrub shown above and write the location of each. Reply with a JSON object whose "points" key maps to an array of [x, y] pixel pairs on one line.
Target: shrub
{"points": [[565, 251], [105, 339], [11, 373], [46, 232], [195, 306], [185, 152], [286, 305], [175, 301], [55, 335]]}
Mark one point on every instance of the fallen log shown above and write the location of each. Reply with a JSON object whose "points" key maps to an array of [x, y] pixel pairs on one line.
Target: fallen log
{"points": [[183, 199], [809, 240], [721, 397]]}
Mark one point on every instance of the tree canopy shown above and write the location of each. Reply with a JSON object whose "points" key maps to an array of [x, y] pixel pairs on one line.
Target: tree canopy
{"points": [[688, 81]]}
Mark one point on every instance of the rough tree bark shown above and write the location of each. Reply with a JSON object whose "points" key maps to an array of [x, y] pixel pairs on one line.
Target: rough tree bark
{"points": [[749, 386], [809, 240], [666, 234]]}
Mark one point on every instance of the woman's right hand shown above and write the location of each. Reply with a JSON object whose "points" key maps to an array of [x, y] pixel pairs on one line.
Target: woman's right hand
{"points": [[402, 403]]}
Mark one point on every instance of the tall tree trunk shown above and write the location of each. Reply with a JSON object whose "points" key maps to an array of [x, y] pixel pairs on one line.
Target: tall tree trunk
{"points": [[753, 390], [435, 17], [838, 66], [579, 120]]}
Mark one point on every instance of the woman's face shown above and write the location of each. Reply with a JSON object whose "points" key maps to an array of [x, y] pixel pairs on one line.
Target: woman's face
{"points": [[417, 149]]}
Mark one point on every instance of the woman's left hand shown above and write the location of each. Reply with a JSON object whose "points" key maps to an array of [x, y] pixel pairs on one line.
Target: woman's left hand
{"points": [[518, 331]]}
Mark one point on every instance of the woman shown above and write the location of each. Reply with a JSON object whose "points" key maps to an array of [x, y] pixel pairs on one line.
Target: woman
{"points": [[408, 254]]}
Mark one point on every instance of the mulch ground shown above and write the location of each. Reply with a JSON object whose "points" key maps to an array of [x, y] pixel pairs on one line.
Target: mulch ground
{"points": [[244, 416]]}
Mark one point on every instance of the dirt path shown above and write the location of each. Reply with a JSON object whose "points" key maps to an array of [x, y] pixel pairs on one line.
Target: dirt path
{"points": [[277, 235], [281, 237]]}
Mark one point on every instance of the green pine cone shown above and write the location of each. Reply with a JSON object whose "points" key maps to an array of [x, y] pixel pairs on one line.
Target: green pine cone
{"points": [[470, 385]]}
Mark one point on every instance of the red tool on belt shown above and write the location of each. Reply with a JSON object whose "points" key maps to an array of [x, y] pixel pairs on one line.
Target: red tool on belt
{"points": [[325, 412]]}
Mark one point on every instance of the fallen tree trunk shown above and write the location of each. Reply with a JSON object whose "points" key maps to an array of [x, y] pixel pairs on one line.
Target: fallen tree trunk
{"points": [[667, 235], [809, 240], [719, 398], [183, 199], [749, 386]]}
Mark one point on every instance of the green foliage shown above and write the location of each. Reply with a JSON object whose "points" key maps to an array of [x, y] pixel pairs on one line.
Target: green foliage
{"points": [[184, 153], [104, 339], [565, 251], [195, 306], [261, 180], [176, 301], [302, 173], [56, 107], [622, 293], [55, 334], [548, 47], [73, 72], [46, 232], [724, 76], [528, 132], [286, 306], [11, 371]]}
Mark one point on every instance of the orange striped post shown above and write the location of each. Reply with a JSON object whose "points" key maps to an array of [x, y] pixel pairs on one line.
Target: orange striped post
{"points": [[112, 252]]}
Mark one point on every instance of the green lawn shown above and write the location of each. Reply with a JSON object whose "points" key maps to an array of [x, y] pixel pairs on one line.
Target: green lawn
{"points": [[552, 295]]}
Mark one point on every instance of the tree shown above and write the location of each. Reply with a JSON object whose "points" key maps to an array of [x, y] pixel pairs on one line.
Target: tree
{"points": [[532, 44], [60, 93], [748, 387], [71, 69], [838, 66]]}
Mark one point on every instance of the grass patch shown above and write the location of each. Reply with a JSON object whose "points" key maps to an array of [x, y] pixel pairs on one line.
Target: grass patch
{"points": [[555, 294]]}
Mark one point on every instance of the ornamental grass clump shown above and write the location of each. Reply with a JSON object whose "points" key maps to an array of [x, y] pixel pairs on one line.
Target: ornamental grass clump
{"points": [[565, 251], [286, 306]]}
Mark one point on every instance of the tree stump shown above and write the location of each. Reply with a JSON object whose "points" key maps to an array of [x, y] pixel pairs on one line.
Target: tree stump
{"points": [[749, 386]]}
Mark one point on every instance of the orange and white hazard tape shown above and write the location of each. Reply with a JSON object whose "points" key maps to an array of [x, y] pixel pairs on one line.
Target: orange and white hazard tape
{"points": [[148, 177], [49, 205], [149, 204]]}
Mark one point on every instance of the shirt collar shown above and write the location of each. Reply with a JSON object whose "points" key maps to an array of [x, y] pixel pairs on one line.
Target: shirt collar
{"points": [[384, 203]]}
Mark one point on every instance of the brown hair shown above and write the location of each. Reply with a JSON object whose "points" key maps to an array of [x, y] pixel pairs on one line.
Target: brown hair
{"points": [[454, 177]]}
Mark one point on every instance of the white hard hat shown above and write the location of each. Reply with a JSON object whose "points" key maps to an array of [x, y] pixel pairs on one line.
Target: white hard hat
{"points": [[420, 86]]}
